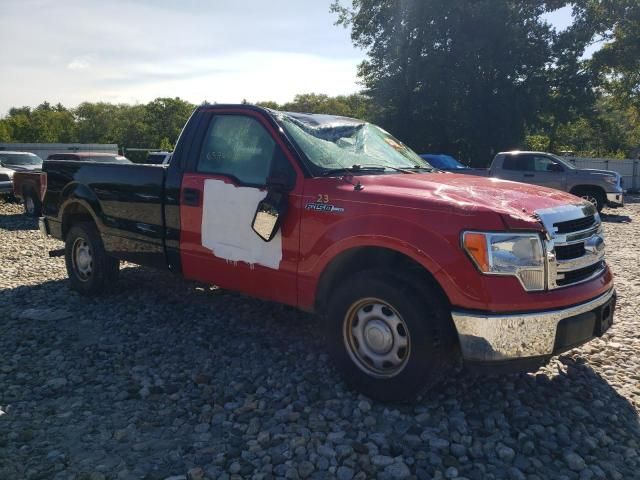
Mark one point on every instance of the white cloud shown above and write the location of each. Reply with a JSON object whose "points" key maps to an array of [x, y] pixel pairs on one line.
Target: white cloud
{"points": [[225, 50], [79, 63], [250, 75]]}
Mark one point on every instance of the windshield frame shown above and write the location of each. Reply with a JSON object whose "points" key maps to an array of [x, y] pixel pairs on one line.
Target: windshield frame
{"points": [[317, 170]]}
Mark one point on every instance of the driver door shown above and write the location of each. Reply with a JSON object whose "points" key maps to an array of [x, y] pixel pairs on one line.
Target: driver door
{"points": [[548, 172], [240, 151]]}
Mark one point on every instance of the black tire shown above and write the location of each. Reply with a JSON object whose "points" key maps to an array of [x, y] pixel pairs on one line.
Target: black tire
{"points": [[428, 324], [32, 203], [103, 271], [595, 196]]}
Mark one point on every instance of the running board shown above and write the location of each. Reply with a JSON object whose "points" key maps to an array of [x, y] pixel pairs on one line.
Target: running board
{"points": [[56, 253]]}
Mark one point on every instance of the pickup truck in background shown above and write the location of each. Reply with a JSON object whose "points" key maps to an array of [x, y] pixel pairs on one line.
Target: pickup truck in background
{"points": [[12, 166], [102, 157], [411, 269], [600, 187], [6, 182]]}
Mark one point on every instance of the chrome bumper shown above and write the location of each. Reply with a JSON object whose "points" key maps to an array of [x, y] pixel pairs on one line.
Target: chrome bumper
{"points": [[43, 227], [616, 198], [491, 338]]}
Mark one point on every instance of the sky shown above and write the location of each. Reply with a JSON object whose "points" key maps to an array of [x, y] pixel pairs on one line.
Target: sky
{"points": [[133, 51]]}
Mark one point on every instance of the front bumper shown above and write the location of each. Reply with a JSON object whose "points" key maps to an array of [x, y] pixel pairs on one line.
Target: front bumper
{"points": [[489, 338], [615, 199], [43, 226]]}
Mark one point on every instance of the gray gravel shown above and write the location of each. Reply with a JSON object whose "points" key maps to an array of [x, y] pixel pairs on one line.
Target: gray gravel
{"points": [[167, 379]]}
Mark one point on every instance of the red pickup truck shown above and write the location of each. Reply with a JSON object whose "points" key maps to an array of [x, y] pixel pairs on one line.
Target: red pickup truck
{"points": [[410, 268]]}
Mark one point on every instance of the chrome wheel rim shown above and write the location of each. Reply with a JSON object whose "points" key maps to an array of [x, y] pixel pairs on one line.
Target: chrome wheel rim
{"points": [[376, 338], [591, 200], [82, 258], [29, 204]]}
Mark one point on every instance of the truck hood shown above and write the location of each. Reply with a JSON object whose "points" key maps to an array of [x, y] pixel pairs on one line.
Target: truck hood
{"points": [[599, 173], [468, 193]]}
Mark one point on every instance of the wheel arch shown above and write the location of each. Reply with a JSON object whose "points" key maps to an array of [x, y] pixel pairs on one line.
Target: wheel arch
{"points": [[76, 211], [587, 187], [356, 259]]}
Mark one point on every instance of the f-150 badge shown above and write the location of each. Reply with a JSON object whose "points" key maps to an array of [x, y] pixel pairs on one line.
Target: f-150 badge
{"points": [[324, 207]]}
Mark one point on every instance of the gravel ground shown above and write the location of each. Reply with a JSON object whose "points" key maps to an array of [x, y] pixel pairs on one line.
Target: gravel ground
{"points": [[167, 379]]}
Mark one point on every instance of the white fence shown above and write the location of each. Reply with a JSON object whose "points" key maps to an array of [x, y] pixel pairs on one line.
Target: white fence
{"points": [[628, 169]]}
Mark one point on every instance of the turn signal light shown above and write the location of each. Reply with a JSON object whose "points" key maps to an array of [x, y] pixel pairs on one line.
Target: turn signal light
{"points": [[476, 245]]}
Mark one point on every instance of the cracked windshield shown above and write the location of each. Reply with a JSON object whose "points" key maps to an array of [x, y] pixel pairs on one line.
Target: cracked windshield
{"points": [[335, 142]]}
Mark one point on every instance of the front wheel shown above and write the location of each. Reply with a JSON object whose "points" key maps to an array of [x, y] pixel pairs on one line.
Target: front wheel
{"points": [[389, 338], [595, 197], [91, 271]]}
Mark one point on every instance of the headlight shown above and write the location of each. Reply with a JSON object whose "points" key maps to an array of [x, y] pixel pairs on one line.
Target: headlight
{"points": [[611, 180], [515, 254]]}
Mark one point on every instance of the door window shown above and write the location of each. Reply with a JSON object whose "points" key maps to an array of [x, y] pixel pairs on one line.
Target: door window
{"points": [[546, 164], [240, 147]]}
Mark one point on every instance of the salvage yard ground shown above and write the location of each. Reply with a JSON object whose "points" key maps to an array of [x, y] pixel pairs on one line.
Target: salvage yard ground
{"points": [[168, 378]]}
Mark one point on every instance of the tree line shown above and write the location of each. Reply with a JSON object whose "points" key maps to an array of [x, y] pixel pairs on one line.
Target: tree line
{"points": [[156, 124], [477, 77], [449, 76]]}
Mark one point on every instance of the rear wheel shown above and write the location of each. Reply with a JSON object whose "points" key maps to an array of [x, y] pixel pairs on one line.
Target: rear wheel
{"points": [[91, 271], [32, 204], [388, 338]]}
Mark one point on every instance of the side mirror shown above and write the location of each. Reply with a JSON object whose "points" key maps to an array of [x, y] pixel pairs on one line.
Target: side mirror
{"points": [[554, 167], [270, 211]]}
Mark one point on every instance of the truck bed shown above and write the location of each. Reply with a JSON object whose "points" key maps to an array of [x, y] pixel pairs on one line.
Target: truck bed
{"points": [[125, 201]]}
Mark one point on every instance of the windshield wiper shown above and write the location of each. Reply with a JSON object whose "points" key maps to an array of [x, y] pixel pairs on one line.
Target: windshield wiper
{"points": [[419, 168], [368, 168], [354, 168], [412, 169]]}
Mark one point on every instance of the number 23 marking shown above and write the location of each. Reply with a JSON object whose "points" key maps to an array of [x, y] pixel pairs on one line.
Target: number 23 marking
{"points": [[322, 198]]}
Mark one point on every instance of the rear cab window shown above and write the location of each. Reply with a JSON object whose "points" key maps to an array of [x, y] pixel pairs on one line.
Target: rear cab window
{"points": [[521, 163]]}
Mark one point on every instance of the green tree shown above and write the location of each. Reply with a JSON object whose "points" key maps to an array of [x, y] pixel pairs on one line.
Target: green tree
{"points": [[355, 105], [453, 75], [95, 122], [18, 122], [5, 132], [165, 118], [616, 25], [131, 128], [166, 145]]}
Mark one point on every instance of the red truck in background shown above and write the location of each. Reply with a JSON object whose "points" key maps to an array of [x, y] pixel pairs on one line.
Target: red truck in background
{"points": [[409, 268]]}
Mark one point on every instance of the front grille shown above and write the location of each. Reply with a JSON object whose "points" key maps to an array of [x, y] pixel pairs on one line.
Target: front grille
{"points": [[576, 276], [575, 243], [569, 252], [4, 177], [575, 225]]}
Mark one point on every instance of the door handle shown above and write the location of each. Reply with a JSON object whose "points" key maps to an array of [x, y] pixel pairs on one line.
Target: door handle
{"points": [[191, 197], [529, 175]]}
